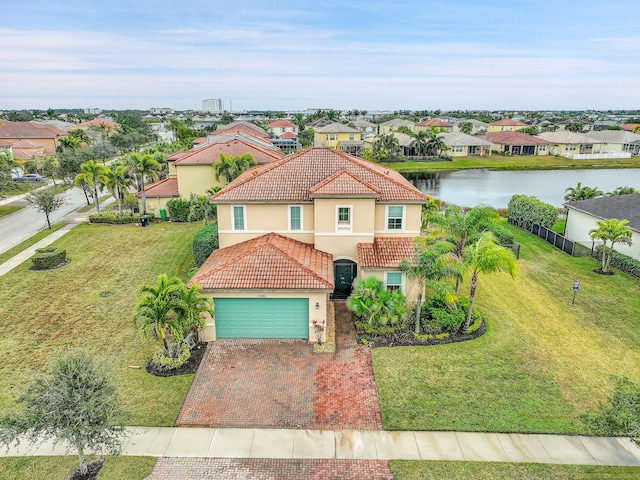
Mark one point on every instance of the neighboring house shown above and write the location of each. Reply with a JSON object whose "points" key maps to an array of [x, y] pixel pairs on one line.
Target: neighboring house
{"points": [[279, 127], [582, 217], [246, 128], [568, 143], [517, 143], [298, 231], [463, 145], [37, 133], [427, 124], [392, 125], [477, 127], [26, 150], [287, 142], [506, 125], [631, 127], [404, 142], [159, 193], [617, 141], [366, 127], [339, 136]]}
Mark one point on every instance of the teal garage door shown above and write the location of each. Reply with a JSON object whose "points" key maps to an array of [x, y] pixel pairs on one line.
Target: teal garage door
{"points": [[262, 317]]}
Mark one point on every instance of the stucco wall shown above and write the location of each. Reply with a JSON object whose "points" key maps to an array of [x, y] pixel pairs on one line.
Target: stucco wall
{"points": [[195, 179]]}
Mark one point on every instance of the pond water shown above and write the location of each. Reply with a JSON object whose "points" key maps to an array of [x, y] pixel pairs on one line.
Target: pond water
{"points": [[468, 188]]}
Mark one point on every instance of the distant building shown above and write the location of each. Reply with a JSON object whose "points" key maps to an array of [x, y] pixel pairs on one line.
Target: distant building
{"points": [[212, 105], [92, 111], [161, 111]]}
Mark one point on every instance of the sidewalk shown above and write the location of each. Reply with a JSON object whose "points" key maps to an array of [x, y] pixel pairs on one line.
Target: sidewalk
{"points": [[171, 442]]}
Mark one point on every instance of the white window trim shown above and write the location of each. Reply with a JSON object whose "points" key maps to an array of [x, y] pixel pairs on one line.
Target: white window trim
{"points": [[301, 218], [386, 220], [386, 277], [344, 228], [233, 218]]}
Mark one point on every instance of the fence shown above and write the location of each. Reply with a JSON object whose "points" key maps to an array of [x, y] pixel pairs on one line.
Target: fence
{"points": [[559, 241], [595, 156]]}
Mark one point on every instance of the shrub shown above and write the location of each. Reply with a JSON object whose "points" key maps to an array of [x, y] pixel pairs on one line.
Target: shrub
{"points": [[502, 233], [46, 258], [448, 319], [165, 362], [525, 210], [179, 209], [204, 242], [624, 263], [373, 330], [114, 218]]}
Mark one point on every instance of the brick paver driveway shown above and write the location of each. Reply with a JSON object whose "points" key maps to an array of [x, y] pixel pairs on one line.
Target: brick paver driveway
{"points": [[283, 384]]}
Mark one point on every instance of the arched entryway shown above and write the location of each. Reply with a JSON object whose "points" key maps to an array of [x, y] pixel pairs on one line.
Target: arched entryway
{"points": [[345, 272]]}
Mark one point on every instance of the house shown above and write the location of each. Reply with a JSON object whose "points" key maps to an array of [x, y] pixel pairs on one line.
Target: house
{"points": [[37, 133], [405, 142], [477, 127], [615, 141], [279, 127], [365, 126], [569, 144], [394, 124], [428, 124], [298, 231], [506, 125], [462, 145], [517, 143], [340, 136], [582, 217], [631, 127]]}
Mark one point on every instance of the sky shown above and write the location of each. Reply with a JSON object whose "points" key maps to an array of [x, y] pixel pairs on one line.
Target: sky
{"points": [[341, 54]]}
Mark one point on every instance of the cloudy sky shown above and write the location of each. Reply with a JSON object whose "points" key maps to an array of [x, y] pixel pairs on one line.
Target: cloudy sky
{"points": [[293, 55]]}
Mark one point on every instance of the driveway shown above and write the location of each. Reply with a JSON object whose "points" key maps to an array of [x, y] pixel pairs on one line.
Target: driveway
{"points": [[283, 384]]}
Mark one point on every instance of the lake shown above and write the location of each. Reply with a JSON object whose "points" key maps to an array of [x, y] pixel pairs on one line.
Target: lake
{"points": [[468, 188]]}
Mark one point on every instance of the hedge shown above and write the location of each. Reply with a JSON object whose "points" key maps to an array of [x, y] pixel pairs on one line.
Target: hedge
{"points": [[46, 258], [115, 218], [624, 263], [524, 210], [178, 209], [204, 242]]}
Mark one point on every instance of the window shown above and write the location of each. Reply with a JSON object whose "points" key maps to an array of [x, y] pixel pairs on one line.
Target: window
{"points": [[344, 218], [542, 148], [572, 147], [394, 281], [352, 136], [239, 220], [295, 217], [395, 214], [459, 148], [332, 136]]}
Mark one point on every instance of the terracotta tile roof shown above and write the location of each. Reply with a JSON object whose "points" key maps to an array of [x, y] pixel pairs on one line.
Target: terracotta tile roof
{"points": [[288, 135], [164, 188], [5, 144], [98, 122], [267, 262], [21, 154], [200, 140], [630, 127], [242, 128], [28, 130], [210, 154], [435, 122], [343, 183], [282, 123], [385, 252], [507, 122], [176, 156], [27, 144], [513, 138], [291, 179]]}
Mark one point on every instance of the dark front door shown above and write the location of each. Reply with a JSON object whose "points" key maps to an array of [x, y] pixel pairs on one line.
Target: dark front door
{"points": [[345, 272]]}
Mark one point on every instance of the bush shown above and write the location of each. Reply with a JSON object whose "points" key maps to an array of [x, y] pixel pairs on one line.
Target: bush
{"points": [[204, 242], [448, 318], [502, 233], [526, 210], [622, 262], [179, 209], [165, 363], [46, 258], [114, 218]]}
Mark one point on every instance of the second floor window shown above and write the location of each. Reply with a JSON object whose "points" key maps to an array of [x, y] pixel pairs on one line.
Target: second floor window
{"points": [[239, 217], [344, 218], [395, 215], [295, 217]]}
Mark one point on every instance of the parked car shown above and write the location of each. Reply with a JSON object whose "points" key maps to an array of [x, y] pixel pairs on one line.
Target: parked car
{"points": [[30, 177]]}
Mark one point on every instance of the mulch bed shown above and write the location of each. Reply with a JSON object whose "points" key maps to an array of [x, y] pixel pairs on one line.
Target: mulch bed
{"points": [[406, 338], [190, 366], [600, 272], [92, 474]]}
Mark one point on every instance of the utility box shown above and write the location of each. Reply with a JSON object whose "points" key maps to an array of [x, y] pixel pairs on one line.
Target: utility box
{"points": [[144, 220]]}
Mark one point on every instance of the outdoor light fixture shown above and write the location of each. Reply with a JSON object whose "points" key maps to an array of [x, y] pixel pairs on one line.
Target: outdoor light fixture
{"points": [[317, 305]]}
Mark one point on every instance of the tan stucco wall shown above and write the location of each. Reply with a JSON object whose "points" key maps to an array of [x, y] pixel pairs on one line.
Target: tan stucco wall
{"points": [[505, 128], [195, 179], [154, 204], [319, 297], [323, 139], [50, 143], [412, 221]]}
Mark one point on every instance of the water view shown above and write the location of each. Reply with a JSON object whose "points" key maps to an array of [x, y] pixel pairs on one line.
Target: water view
{"points": [[468, 188]]}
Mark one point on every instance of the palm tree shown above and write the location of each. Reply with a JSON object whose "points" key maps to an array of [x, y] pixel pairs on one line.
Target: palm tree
{"points": [[431, 267], [141, 167], [420, 141], [486, 256], [118, 182], [299, 119], [224, 169], [191, 307], [622, 191], [94, 175], [613, 231], [574, 194]]}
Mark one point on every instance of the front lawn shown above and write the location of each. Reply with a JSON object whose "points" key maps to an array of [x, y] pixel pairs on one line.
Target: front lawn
{"points": [[88, 304], [541, 363], [59, 468]]}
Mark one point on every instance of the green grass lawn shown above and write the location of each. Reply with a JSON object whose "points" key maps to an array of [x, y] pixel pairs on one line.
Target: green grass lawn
{"points": [[541, 363], [499, 162], [88, 304], [8, 209], [446, 470], [59, 468], [12, 252]]}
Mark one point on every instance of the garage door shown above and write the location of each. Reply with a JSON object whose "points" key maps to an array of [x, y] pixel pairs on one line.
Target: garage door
{"points": [[262, 317]]}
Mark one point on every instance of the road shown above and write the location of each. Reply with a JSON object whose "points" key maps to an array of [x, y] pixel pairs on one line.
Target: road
{"points": [[21, 225]]}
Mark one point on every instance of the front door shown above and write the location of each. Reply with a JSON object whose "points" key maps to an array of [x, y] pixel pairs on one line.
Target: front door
{"points": [[345, 272]]}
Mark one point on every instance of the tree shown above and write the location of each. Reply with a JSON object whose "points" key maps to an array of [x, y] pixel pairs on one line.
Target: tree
{"points": [[574, 194], [76, 404], [612, 231], [231, 167], [118, 182], [142, 167], [94, 175], [530, 130], [623, 191], [486, 256], [7, 163], [431, 266], [466, 127], [420, 141], [46, 201], [576, 127]]}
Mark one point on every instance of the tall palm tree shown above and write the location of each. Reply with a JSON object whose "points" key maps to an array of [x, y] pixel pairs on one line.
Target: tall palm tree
{"points": [[191, 307], [118, 182], [224, 169], [622, 191], [420, 141], [142, 167], [94, 175], [486, 256], [431, 267], [574, 194], [613, 231]]}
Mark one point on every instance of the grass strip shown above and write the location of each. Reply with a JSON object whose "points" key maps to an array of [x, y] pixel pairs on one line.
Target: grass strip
{"points": [[13, 251], [9, 209], [60, 467]]}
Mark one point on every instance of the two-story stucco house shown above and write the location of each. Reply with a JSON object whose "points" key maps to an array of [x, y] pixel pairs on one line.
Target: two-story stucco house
{"points": [[299, 231]]}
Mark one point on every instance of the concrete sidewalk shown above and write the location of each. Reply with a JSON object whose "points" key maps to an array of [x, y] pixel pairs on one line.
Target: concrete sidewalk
{"points": [[365, 445]]}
